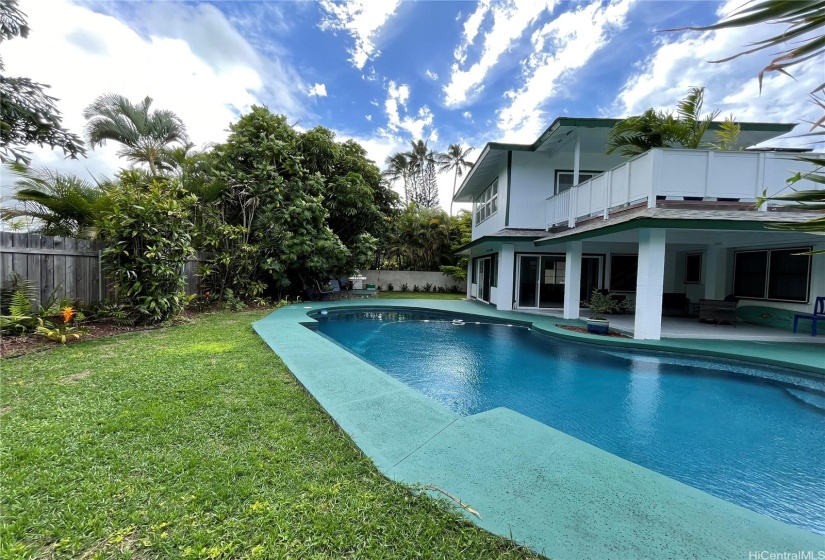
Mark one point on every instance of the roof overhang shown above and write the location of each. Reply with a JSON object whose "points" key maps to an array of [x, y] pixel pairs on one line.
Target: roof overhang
{"points": [[503, 236], [658, 218]]}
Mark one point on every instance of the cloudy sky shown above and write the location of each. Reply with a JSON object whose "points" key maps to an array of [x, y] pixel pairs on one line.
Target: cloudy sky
{"points": [[385, 72]]}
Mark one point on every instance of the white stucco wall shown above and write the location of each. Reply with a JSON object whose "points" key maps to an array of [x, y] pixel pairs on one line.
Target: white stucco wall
{"points": [[533, 178], [411, 277]]}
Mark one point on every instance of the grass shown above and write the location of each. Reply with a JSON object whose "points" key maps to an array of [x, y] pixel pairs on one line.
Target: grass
{"points": [[419, 295], [196, 442]]}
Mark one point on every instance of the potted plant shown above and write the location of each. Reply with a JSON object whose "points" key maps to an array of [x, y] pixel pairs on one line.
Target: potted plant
{"points": [[600, 304]]}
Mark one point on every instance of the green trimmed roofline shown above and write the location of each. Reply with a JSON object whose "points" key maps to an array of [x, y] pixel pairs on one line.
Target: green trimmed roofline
{"points": [[660, 223]]}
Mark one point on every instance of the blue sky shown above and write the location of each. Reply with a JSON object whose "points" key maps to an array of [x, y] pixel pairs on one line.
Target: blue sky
{"points": [[386, 72]]}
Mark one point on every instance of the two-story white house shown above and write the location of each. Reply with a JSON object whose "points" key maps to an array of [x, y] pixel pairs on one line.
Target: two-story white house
{"points": [[670, 225]]}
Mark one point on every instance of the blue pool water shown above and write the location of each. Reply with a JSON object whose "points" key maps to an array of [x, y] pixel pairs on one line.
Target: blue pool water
{"points": [[752, 436]]}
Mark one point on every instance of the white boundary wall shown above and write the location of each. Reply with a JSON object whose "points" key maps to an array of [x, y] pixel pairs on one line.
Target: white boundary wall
{"points": [[383, 278]]}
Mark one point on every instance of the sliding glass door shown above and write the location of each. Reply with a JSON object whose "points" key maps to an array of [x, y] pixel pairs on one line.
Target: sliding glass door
{"points": [[541, 280]]}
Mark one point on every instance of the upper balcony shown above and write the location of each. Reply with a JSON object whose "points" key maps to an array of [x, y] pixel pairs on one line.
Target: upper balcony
{"points": [[675, 174]]}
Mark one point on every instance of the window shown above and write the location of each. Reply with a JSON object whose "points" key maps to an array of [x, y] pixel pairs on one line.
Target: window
{"points": [[474, 267], [772, 274], [693, 268], [554, 271], [623, 271], [487, 203], [494, 270], [564, 179]]}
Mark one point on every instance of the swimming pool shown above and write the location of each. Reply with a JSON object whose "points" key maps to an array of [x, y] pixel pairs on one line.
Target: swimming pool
{"points": [[748, 435]]}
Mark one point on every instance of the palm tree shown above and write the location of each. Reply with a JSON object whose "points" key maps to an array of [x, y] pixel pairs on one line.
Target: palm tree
{"points": [[657, 129], [454, 159], [145, 135], [692, 126], [398, 167], [65, 205]]}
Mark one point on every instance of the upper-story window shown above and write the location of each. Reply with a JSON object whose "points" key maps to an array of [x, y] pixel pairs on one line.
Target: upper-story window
{"points": [[487, 203], [564, 179]]}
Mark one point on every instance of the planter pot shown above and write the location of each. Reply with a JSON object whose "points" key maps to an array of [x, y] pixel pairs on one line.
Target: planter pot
{"points": [[598, 326]]}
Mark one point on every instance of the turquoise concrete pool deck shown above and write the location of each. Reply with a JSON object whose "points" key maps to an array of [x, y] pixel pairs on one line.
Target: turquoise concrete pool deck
{"points": [[551, 492]]}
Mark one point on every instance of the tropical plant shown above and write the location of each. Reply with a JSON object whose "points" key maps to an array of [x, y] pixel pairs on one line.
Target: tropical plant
{"points": [[455, 160], [727, 136], [146, 135], [16, 304], [148, 228], [27, 114], [659, 129], [61, 204], [808, 199], [398, 167], [691, 125], [801, 20], [64, 330]]}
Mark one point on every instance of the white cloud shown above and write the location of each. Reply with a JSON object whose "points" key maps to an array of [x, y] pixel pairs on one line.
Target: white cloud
{"points": [[510, 20], [202, 69], [559, 48], [412, 122], [681, 62], [368, 117], [362, 19], [467, 115], [319, 90], [431, 75]]}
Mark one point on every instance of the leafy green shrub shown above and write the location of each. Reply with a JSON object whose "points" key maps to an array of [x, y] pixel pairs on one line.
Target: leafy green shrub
{"points": [[405, 287], [428, 287], [232, 302], [116, 313], [415, 288], [390, 287], [16, 305], [148, 229], [458, 273]]}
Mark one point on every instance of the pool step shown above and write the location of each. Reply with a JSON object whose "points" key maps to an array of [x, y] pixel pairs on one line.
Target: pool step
{"points": [[816, 400]]}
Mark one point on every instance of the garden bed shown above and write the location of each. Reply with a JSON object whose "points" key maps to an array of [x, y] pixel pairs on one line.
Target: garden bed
{"points": [[583, 330]]}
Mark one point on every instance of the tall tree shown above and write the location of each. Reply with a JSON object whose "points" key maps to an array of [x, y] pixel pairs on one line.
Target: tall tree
{"points": [[145, 135], [27, 114], [398, 167], [422, 168], [455, 160]]}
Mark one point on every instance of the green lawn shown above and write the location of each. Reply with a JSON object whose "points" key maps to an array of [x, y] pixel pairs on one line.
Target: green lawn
{"points": [[196, 442], [419, 295]]}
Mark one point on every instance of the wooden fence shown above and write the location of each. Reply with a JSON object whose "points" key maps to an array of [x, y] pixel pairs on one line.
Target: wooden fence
{"points": [[65, 267]]}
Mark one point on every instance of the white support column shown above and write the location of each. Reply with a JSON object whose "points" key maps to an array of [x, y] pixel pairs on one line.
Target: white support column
{"points": [[577, 160], [572, 279], [715, 272], [649, 284], [504, 291], [470, 276]]}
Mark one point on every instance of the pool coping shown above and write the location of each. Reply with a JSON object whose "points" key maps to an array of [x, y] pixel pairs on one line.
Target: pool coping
{"points": [[553, 493]]}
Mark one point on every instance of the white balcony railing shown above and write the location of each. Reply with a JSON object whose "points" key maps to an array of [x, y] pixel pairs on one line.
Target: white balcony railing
{"points": [[676, 175]]}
